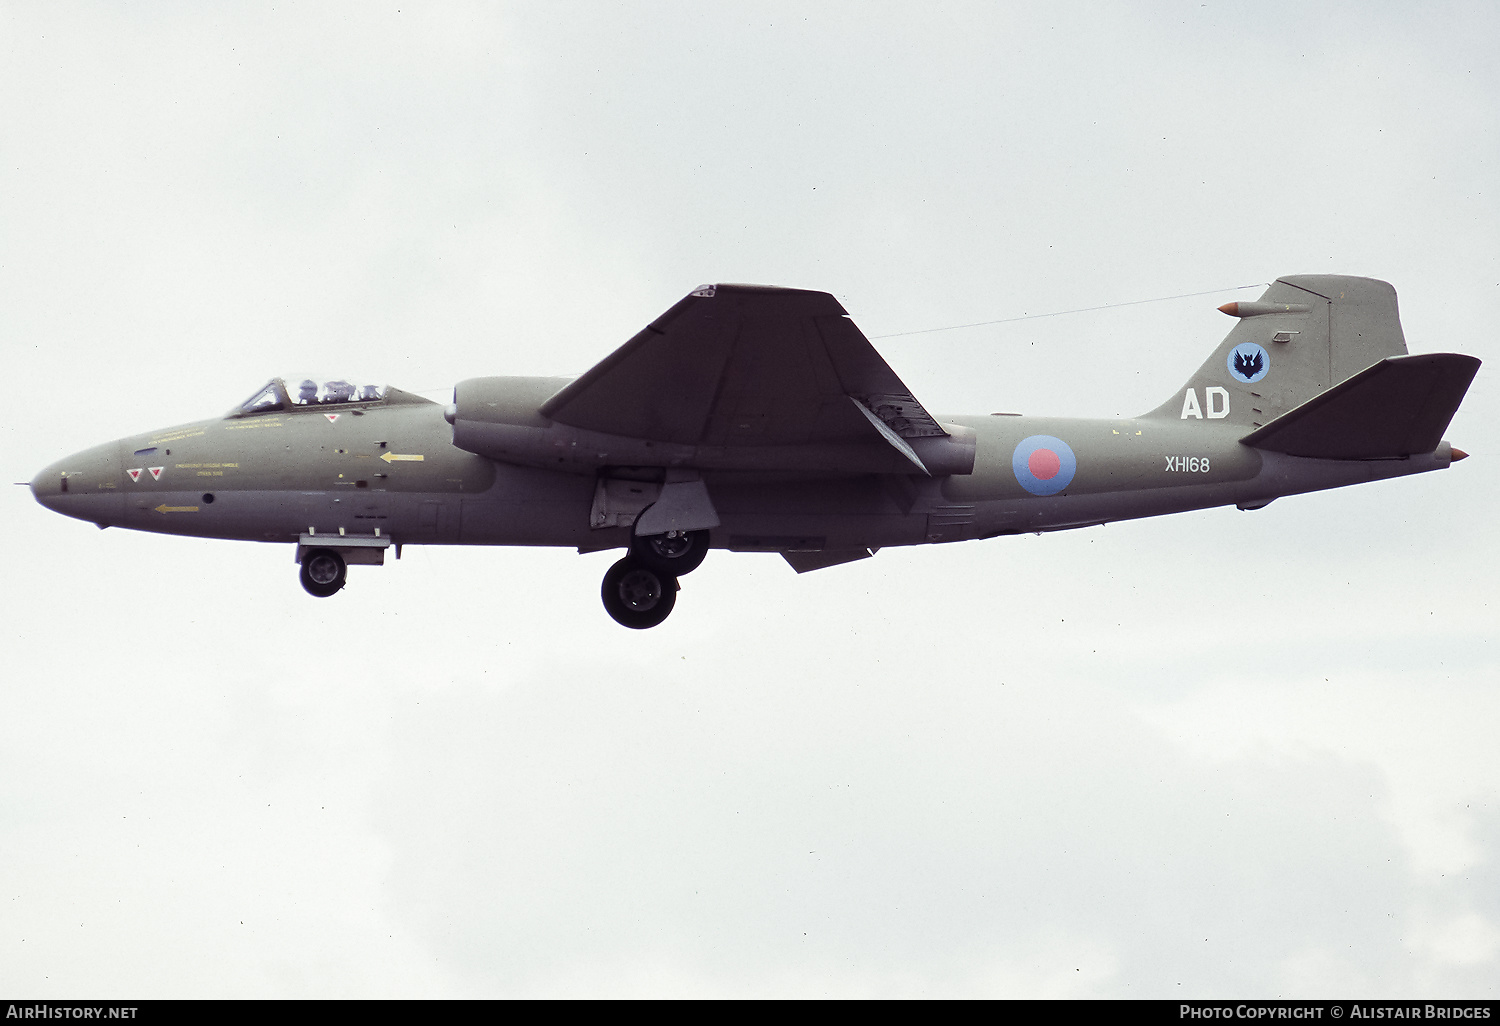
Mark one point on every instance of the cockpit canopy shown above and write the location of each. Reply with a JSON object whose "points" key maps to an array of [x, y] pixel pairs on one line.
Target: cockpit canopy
{"points": [[276, 394]]}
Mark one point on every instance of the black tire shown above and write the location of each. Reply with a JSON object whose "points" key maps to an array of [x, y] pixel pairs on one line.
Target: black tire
{"points": [[638, 596], [323, 572], [673, 554]]}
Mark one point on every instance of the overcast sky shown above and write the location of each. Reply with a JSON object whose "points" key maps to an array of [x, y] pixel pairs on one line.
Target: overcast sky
{"points": [[1222, 753]]}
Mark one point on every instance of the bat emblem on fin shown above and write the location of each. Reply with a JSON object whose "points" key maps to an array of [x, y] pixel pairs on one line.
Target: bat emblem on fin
{"points": [[1247, 365], [1248, 362]]}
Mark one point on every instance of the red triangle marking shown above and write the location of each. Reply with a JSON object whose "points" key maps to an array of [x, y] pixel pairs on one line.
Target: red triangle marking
{"points": [[135, 475], [156, 472], [331, 417]]}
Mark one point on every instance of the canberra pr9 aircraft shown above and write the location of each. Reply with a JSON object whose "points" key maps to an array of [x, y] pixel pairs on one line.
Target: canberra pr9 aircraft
{"points": [[753, 418]]}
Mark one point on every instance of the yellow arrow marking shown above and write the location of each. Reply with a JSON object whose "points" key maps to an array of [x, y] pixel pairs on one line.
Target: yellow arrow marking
{"points": [[164, 508], [392, 457]]}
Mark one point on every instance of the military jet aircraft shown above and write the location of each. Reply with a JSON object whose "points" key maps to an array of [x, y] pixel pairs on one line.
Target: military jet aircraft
{"points": [[760, 419]]}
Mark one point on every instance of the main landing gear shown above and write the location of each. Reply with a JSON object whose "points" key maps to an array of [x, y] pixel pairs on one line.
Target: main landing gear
{"points": [[323, 572], [675, 553], [637, 596], [640, 590]]}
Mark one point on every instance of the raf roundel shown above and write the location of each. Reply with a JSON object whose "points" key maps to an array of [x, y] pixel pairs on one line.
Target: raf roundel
{"points": [[1044, 465], [1249, 363]]}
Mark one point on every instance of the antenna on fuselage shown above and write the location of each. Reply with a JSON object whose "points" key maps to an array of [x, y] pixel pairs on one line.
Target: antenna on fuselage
{"points": [[1081, 309]]}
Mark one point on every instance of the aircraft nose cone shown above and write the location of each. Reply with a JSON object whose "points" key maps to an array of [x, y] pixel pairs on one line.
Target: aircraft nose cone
{"points": [[46, 487], [83, 485]]}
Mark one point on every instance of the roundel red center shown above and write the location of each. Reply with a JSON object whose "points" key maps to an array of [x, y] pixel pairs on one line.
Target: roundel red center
{"points": [[1044, 464]]}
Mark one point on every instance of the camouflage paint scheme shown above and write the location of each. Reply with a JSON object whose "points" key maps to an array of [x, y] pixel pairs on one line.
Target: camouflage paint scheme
{"points": [[760, 419]]}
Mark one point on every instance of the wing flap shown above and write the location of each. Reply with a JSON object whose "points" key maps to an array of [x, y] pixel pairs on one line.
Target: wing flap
{"points": [[868, 378]]}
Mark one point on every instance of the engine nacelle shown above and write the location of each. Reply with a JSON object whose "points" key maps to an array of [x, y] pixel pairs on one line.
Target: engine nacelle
{"points": [[499, 418]]}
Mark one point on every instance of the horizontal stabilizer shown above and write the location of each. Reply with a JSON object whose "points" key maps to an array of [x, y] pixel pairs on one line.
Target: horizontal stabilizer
{"points": [[1398, 407]]}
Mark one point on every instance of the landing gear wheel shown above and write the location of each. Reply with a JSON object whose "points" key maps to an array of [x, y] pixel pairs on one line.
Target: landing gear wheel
{"points": [[675, 553], [323, 572], [638, 596]]}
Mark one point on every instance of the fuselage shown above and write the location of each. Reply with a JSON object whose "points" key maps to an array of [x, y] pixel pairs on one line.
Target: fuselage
{"points": [[389, 469], [757, 418]]}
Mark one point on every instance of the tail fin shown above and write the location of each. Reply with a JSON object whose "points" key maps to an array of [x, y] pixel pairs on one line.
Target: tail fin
{"points": [[1307, 333]]}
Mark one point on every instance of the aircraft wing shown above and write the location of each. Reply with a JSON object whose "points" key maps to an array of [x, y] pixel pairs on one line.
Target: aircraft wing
{"points": [[747, 365]]}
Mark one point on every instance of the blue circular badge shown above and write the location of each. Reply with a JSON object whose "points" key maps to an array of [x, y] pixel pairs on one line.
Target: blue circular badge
{"points": [[1248, 362], [1044, 465]]}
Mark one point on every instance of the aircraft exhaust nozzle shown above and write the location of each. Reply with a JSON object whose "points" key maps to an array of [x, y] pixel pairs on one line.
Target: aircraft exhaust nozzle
{"points": [[1255, 309]]}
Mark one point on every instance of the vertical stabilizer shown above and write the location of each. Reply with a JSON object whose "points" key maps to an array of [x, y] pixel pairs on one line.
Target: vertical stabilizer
{"points": [[1306, 333]]}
